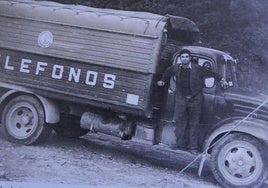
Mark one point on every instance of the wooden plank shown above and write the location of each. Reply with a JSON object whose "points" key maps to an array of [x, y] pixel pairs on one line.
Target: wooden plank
{"points": [[75, 33], [84, 51], [66, 42], [33, 26], [96, 58], [118, 63]]}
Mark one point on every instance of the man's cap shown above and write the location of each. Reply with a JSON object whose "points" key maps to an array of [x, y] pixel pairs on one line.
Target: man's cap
{"points": [[185, 51]]}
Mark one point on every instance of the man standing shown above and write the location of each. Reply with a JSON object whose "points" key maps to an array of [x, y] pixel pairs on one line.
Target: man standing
{"points": [[188, 97]]}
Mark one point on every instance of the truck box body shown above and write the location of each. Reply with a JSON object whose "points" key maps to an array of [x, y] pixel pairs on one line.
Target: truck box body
{"points": [[81, 54]]}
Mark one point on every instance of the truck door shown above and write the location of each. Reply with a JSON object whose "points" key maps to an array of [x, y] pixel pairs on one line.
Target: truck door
{"points": [[209, 93], [209, 90]]}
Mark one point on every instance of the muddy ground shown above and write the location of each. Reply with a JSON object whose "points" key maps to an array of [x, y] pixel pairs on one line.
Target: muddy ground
{"points": [[96, 160]]}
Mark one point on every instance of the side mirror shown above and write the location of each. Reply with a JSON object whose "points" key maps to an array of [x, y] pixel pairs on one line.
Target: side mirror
{"points": [[209, 82]]}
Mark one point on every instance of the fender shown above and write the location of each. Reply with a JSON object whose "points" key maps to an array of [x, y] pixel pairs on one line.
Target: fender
{"points": [[52, 111], [255, 127]]}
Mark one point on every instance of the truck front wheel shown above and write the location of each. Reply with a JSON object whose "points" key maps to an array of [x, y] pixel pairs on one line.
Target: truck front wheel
{"points": [[23, 121], [238, 161]]}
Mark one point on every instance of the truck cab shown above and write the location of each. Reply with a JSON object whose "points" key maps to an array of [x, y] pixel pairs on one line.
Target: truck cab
{"points": [[213, 103], [233, 133]]}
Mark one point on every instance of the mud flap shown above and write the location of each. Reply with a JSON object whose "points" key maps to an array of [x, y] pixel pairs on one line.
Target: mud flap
{"points": [[202, 162]]}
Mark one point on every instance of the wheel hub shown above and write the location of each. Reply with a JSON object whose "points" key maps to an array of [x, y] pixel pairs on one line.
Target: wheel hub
{"points": [[239, 162], [25, 120], [22, 120]]}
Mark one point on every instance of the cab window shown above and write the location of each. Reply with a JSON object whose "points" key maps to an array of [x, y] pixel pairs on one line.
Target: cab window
{"points": [[200, 61]]}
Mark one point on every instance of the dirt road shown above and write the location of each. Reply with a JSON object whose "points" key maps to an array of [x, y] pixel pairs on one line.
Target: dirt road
{"points": [[93, 161]]}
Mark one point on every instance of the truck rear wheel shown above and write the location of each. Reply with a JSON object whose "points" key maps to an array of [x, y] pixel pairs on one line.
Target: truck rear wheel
{"points": [[238, 161], [69, 127], [23, 121]]}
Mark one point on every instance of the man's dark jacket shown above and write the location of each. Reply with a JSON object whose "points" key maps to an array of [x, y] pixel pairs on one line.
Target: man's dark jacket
{"points": [[197, 76]]}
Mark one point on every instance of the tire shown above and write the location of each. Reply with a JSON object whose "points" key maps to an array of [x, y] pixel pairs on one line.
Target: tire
{"points": [[23, 121], [69, 127], [238, 161]]}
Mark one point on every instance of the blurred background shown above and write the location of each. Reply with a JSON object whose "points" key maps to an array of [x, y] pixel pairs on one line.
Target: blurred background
{"points": [[239, 27]]}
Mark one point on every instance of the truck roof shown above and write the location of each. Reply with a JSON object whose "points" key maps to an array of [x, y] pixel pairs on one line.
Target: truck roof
{"points": [[135, 22], [76, 15]]}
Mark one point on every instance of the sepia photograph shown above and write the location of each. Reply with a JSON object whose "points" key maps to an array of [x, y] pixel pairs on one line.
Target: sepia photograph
{"points": [[123, 93]]}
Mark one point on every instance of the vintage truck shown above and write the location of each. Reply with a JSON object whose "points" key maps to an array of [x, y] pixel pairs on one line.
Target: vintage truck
{"points": [[76, 69]]}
